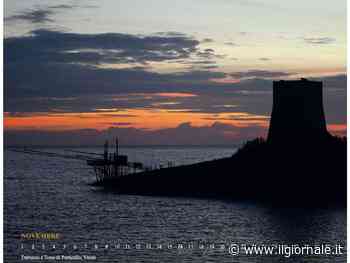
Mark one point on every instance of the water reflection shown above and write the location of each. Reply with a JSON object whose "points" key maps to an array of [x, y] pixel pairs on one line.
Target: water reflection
{"points": [[54, 195]]}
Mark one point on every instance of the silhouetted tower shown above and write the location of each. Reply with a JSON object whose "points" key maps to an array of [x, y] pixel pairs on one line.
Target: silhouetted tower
{"points": [[297, 112]]}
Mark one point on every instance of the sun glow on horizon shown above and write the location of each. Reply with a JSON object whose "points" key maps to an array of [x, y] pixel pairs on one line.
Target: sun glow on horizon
{"points": [[151, 119], [146, 119]]}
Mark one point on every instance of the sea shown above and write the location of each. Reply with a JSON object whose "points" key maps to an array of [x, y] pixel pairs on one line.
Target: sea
{"points": [[53, 213]]}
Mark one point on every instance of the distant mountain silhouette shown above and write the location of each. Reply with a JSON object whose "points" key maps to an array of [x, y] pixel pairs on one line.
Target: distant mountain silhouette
{"points": [[299, 163]]}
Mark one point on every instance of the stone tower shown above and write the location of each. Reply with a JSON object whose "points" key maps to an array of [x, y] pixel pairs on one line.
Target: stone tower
{"points": [[297, 112]]}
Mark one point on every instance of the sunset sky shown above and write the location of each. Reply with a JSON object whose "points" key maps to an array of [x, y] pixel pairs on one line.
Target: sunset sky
{"points": [[164, 72]]}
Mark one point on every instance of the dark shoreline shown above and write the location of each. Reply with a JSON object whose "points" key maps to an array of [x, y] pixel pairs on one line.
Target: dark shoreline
{"points": [[313, 174]]}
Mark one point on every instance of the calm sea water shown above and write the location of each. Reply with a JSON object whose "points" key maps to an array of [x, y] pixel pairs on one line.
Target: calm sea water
{"points": [[53, 195]]}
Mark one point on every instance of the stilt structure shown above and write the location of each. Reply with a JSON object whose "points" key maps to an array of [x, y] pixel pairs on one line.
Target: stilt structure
{"points": [[113, 165]]}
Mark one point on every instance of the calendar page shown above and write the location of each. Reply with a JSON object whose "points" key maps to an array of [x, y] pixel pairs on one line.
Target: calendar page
{"points": [[174, 131]]}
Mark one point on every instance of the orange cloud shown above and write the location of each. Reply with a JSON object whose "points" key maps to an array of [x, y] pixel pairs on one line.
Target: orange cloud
{"points": [[148, 119], [337, 129], [151, 119]]}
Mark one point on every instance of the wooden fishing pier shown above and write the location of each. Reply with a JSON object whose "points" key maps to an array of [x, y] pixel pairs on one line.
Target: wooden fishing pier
{"points": [[113, 164], [106, 165]]}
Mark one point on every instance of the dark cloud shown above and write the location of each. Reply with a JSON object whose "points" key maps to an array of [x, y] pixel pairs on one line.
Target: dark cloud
{"points": [[70, 80], [252, 96], [78, 88], [319, 40], [51, 71], [33, 16], [58, 64], [42, 15], [210, 67], [209, 53], [334, 96], [60, 47], [260, 74]]}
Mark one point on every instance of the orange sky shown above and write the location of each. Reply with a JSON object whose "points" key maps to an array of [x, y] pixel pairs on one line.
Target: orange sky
{"points": [[151, 119]]}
